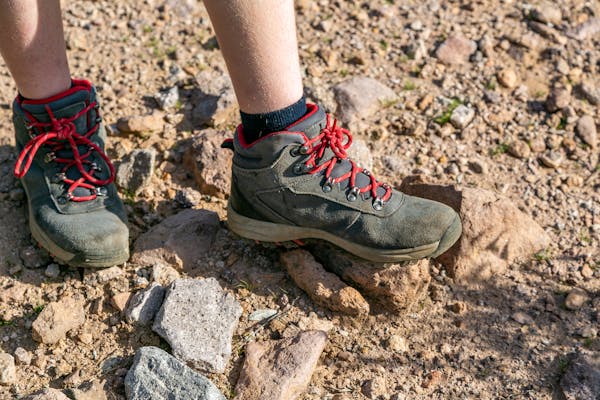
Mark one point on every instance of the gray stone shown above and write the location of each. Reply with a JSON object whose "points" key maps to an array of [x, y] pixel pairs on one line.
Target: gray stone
{"points": [[586, 129], [552, 159], [52, 271], [8, 372], [167, 99], [581, 380], [136, 169], [198, 319], [156, 375], [22, 356], [360, 97], [260, 315], [99, 276], [462, 116], [144, 305], [557, 99]]}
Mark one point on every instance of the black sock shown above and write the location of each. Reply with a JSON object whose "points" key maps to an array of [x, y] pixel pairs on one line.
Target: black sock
{"points": [[257, 125]]}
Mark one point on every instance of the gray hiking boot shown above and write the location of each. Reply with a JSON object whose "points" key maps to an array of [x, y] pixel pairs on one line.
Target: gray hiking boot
{"points": [[299, 183], [74, 209]]}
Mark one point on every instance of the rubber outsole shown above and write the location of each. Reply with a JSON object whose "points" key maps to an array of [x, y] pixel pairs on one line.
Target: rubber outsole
{"points": [[271, 232], [73, 259]]}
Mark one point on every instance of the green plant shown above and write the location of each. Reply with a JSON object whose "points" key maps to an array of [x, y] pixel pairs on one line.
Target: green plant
{"points": [[562, 124], [409, 85], [499, 149], [38, 309], [6, 323], [445, 117]]}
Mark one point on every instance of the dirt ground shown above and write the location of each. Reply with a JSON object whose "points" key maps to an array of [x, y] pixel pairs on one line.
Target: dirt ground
{"points": [[477, 349]]}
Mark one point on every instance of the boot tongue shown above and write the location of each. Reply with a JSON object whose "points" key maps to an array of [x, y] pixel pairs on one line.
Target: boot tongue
{"points": [[312, 123]]}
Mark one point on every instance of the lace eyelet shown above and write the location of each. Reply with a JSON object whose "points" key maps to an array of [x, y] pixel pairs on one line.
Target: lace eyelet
{"points": [[294, 151], [299, 169], [328, 185], [378, 204], [98, 120], [64, 199], [353, 194], [58, 178], [303, 150], [49, 157], [101, 191]]}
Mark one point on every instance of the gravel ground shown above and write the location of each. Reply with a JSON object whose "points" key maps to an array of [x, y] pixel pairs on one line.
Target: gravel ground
{"points": [[527, 84]]}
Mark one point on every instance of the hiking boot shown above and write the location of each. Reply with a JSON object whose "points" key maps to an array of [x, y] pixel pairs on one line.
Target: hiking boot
{"points": [[299, 183], [74, 209]]}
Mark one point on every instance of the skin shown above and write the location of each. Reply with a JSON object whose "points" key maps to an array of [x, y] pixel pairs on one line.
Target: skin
{"points": [[32, 45], [251, 34], [258, 41]]}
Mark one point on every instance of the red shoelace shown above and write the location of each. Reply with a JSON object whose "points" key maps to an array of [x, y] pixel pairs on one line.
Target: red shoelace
{"points": [[60, 134], [339, 140]]}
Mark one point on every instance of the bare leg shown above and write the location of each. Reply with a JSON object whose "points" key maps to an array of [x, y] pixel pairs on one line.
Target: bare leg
{"points": [[33, 46], [258, 41]]}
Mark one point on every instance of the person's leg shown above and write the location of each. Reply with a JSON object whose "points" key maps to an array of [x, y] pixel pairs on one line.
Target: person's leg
{"points": [[74, 209], [258, 41], [300, 183], [32, 45]]}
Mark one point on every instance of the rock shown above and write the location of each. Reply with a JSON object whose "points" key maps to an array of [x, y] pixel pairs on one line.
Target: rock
{"points": [[209, 163], [8, 372], [432, 379], [397, 344], [495, 231], [144, 305], [590, 91], [522, 318], [576, 299], [456, 50], [179, 240], [47, 394], [156, 375], [324, 288], [34, 257], [91, 390], [585, 30], [261, 315], [280, 370], [547, 13], [215, 102], [22, 356], [167, 99], [462, 116], [360, 153], [375, 388], [552, 159], [56, 319], [586, 129], [508, 78], [581, 379], [142, 125], [135, 171], [519, 149], [360, 97], [198, 319], [557, 99], [164, 274], [395, 287], [120, 301], [99, 276], [52, 271]]}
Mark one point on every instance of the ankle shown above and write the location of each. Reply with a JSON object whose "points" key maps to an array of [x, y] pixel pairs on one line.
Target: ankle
{"points": [[258, 125]]}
